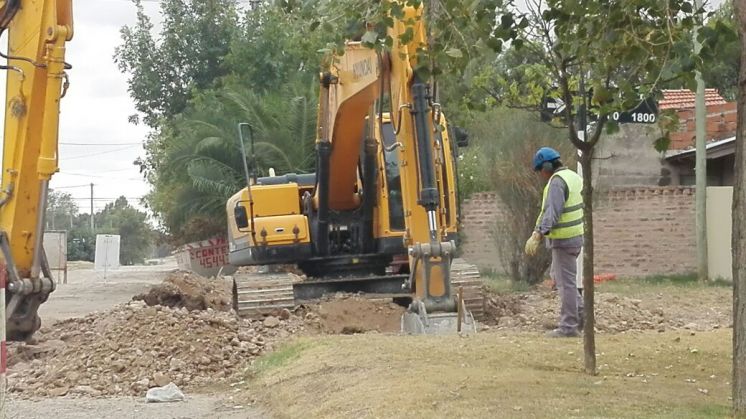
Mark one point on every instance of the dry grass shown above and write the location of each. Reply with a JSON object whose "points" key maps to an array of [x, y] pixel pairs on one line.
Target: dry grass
{"points": [[668, 375]]}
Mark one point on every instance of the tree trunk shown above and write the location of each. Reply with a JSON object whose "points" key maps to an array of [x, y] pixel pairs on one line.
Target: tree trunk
{"points": [[589, 333], [739, 233]]}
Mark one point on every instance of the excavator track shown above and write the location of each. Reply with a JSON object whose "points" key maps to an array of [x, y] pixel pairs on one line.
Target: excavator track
{"points": [[257, 294]]}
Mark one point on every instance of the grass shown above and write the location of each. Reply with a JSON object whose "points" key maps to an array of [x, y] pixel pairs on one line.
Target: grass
{"points": [[660, 283], [279, 357], [661, 375], [502, 284]]}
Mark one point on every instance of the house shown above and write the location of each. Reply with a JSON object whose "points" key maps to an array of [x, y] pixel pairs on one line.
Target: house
{"points": [[629, 158]]}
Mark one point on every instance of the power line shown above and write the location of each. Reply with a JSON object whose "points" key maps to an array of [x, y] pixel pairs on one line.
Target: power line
{"points": [[70, 187], [88, 198], [101, 144], [96, 154]]}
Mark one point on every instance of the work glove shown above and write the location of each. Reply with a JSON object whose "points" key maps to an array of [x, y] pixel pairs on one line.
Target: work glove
{"points": [[532, 244]]}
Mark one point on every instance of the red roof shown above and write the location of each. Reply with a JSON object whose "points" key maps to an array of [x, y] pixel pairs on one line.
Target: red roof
{"points": [[684, 99]]}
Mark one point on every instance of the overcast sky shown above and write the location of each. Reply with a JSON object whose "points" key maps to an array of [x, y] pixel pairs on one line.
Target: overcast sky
{"points": [[96, 108]]}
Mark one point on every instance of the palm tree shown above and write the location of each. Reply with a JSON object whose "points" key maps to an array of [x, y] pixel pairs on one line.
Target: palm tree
{"points": [[202, 164]]}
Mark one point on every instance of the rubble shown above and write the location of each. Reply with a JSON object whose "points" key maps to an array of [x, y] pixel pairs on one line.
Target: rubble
{"points": [[191, 291], [135, 347], [539, 310]]}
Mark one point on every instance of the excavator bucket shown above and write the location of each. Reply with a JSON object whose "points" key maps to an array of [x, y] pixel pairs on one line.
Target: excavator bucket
{"points": [[417, 321], [438, 324]]}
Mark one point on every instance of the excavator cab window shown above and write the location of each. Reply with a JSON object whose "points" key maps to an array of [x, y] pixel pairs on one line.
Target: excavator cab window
{"points": [[393, 180], [242, 218]]}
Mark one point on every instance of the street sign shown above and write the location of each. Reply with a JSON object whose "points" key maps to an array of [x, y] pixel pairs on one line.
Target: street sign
{"points": [[645, 113], [551, 108]]}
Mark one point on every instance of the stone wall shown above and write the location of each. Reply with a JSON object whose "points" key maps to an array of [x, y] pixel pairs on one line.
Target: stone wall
{"points": [[639, 231]]}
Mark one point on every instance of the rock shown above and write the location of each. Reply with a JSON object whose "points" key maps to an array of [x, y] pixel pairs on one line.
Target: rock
{"points": [[161, 379], [284, 314], [690, 326], [118, 367], [176, 364], [86, 391], [271, 322], [59, 391], [150, 311]]}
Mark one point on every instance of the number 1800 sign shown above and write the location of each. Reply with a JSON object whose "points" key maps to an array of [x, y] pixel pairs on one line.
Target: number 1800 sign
{"points": [[645, 113], [634, 117]]}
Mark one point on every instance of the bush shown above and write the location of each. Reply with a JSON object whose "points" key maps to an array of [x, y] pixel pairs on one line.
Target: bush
{"points": [[505, 141]]}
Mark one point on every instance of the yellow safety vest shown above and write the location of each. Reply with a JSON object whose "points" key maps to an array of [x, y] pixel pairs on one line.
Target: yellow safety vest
{"points": [[570, 223]]}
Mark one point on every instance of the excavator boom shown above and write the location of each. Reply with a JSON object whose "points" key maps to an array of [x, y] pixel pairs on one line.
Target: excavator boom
{"points": [[35, 64]]}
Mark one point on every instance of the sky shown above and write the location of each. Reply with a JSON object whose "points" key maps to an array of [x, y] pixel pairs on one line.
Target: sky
{"points": [[95, 111]]}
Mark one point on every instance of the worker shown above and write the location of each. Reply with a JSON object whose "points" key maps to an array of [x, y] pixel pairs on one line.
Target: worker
{"points": [[561, 223]]}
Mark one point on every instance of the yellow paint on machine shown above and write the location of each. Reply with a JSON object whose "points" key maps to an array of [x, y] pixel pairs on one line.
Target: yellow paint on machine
{"points": [[38, 32]]}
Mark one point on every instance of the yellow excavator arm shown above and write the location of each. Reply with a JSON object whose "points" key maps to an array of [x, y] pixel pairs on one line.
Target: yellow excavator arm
{"points": [[35, 66], [349, 91]]}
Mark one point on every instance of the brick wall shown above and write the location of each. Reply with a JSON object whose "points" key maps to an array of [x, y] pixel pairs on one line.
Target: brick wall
{"points": [[478, 219], [639, 231], [721, 123]]}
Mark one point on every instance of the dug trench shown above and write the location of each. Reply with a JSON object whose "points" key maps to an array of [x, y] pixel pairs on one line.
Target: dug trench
{"points": [[183, 331]]}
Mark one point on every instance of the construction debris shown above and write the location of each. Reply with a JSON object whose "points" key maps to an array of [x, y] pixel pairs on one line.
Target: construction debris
{"points": [[168, 393], [539, 310], [191, 291], [135, 347]]}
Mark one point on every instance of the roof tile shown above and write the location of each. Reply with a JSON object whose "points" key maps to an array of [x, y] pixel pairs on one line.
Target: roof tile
{"points": [[685, 99]]}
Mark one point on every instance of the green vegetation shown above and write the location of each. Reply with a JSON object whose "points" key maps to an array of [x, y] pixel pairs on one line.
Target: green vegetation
{"points": [[118, 217], [256, 66], [280, 357], [215, 64]]}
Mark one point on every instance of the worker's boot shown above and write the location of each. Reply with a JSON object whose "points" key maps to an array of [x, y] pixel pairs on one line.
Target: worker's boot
{"points": [[559, 333]]}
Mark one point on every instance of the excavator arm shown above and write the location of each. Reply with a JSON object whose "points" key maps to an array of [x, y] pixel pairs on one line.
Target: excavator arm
{"points": [[349, 91], [35, 65]]}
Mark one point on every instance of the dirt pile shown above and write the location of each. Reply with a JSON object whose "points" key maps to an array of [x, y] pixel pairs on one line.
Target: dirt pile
{"points": [[539, 310], [191, 291], [349, 314], [134, 347]]}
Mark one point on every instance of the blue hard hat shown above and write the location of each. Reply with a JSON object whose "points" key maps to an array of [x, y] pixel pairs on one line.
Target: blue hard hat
{"points": [[544, 155]]}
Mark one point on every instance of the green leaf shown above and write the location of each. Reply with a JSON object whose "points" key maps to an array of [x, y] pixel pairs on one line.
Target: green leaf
{"points": [[612, 127], [662, 144], [454, 53]]}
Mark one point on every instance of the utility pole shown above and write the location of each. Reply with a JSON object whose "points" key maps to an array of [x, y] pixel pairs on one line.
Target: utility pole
{"points": [[93, 226], [701, 162]]}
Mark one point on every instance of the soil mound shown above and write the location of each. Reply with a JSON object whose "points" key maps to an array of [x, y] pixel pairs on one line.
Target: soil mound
{"points": [[350, 314], [134, 347], [190, 291]]}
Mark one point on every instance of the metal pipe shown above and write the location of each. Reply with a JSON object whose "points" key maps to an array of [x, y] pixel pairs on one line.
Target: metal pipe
{"points": [[370, 170], [420, 112], [323, 151], [39, 230]]}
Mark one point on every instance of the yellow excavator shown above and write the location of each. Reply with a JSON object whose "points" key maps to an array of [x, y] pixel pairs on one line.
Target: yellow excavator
{"points": [[36, 81], [384, 189]]}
